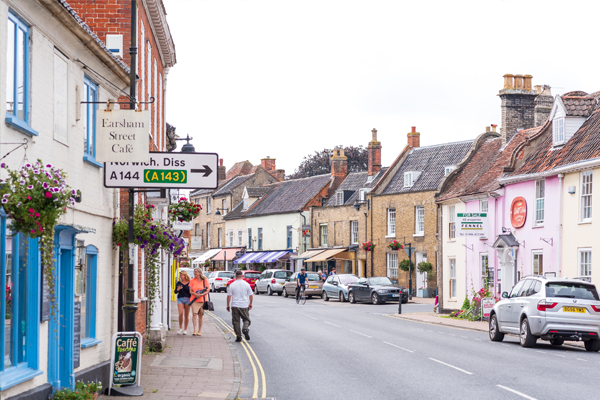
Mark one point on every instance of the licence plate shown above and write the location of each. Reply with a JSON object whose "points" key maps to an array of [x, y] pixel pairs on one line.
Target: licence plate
{"points": [[313, 287], [574, 309], [395, 295], [253, 280], [282, 284]]}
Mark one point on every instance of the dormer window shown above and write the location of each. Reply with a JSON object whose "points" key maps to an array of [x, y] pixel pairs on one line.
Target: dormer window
{"points": [[449, 169], [362, 195], [558, 131], [339, 198], [410, 178], [245, 203]]}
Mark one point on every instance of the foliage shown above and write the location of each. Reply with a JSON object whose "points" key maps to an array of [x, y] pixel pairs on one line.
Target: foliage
{"points": [[34, 198], [319, 163], [184, 264], [471, 309], [395, 245], [404, 264], [424, 266], [368, 246], [184, 210], [83, 391]]}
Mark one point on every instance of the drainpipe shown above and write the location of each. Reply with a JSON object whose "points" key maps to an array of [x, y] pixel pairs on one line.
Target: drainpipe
{"points": [[560, 224]]}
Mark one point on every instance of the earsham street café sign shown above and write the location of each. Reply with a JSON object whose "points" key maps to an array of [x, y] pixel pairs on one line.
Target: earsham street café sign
{"points": [[122, 136]]}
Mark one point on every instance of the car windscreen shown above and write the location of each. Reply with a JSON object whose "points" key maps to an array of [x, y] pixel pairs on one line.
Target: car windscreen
{"points": [[226, 274], [346, 280], [282, 274], [571, 290], [380, 280], [251, 275], [314, 277]]}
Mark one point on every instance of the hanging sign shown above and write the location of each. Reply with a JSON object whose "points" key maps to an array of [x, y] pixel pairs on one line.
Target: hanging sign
{"points": [[183, 225], [472, 224], [126, 358], [122, 135], [305, 230], [518, 212]]}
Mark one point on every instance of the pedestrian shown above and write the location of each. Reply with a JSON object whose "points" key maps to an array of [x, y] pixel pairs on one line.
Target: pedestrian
{"points": [[198, 287], [322, 276], [332, 271], [182, 288], [240, 296]]}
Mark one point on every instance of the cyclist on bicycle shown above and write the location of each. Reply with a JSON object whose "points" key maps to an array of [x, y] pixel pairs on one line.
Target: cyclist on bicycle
{"points": [[301, 282]]}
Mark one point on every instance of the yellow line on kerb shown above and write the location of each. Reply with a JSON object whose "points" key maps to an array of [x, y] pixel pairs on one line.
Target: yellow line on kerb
{"points": [[247, 347]]}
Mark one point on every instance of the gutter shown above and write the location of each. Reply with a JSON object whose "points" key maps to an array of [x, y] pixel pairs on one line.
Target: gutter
{"points": [[576, 166]]}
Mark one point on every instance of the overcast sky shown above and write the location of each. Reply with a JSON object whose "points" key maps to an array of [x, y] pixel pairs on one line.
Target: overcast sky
{"points": [[285, 78]]}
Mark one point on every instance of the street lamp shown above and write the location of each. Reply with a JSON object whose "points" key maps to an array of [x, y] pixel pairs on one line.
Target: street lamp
{"points": [[225, 210]]}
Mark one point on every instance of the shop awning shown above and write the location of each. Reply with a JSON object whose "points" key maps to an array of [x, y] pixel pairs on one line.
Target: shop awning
{"points": [[227, 254], [247, 258], [307, 254], [206, 256], [326, 255], [272, 256]]}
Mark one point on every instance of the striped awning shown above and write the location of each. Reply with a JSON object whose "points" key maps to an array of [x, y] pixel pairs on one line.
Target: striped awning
{"points": [[206, 256], [326, 255], [246, 258], [272, 256], [227, 254]]}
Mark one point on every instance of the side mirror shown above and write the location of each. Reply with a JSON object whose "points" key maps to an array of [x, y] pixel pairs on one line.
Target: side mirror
{"points": [[287, 279], [505, 295], [334, 283]]}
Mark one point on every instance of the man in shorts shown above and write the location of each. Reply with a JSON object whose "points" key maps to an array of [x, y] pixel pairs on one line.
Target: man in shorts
{"points": [[240, 296]]}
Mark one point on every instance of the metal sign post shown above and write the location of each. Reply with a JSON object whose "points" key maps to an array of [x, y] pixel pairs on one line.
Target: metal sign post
{"points": [[409, 251]]}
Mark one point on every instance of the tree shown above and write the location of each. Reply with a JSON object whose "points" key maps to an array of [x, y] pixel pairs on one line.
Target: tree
{"points": [[319, 163]]}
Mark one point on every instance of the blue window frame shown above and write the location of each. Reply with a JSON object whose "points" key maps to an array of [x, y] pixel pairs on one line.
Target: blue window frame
{"points": [[88, 301], [20, 275], [250, 238], [289, 237], [89, 120], [260, 239], [17, 75]]}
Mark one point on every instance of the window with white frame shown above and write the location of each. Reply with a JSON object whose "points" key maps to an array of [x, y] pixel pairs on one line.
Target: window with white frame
{"points": [[208, 235], [230, 236], [220, 237], [289, 233], [449, 169], [250, 238], [323, 231], [196, 229], [408, 179], [223, 207], [538, 263], [391, 222], [240, 237], [208, 205], [354, 232], [540, 194], [483, 266], [419, 220], [558, 131], [260, 238], [452, 222], [585, 262], [362, 194], [452, 263], [246, 201], [586, 196], [483, 206], [339, 198], [392, 265]]}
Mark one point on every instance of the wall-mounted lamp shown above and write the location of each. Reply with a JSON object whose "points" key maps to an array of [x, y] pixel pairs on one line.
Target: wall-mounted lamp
{"points": [[225, 210], [571, 190], [506, 230], [357, 204]]}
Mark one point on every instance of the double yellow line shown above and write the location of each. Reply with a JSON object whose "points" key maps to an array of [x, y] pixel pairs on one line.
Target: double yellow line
{"points": [[248, 350]]}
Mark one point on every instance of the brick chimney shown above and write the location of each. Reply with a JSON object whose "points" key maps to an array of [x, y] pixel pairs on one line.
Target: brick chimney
{"points": [[339, 167], [268, 163], [221, 171], [279, 174], [543, 104], [517, 104], [374, 150], [414, 138]]}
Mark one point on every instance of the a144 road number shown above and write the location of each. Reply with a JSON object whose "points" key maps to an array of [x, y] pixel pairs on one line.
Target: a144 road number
{"points": [[154, 176]]}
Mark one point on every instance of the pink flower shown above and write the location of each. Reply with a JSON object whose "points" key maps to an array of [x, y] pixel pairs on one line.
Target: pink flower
{"points": [[31, 210], [37, 214], [28, 197], [48, 194]]}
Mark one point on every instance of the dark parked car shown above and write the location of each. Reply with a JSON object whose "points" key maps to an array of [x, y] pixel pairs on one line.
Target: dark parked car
{"points": [[377, 290]]}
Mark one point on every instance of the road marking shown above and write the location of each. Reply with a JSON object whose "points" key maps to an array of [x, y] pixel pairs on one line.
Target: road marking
{"points": [[401, 348], [451, 334], [558, 355], [543, 352], [311, 317], [255, 392], [451, 366], [329, 323], [505, 345], [370, 337], [581, 359], [517, 393]]}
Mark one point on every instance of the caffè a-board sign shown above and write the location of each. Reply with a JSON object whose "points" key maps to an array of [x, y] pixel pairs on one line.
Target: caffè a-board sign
{"points": [[126, 359]]}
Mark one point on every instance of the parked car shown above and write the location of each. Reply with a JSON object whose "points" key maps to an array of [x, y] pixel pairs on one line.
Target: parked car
{"points": [[218, 280], [554, 309], [248, 276], [377, 290], [271, 281], [314, 287], [336, 286]]}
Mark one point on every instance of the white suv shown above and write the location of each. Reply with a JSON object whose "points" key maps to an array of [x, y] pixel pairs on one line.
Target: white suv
{"points": [[272, 281], [218, 280], [554, 309]]}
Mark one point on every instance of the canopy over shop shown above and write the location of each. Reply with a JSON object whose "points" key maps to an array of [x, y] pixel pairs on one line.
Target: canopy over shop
{"points": [[281, 258], [204, 257], [223, 260], [327, 259]]}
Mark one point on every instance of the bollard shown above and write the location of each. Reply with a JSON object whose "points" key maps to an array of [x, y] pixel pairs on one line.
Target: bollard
{"points": [[400, 303]]}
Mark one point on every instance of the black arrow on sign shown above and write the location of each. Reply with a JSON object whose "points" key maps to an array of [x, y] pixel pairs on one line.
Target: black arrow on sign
{"points": [[207, 171]]}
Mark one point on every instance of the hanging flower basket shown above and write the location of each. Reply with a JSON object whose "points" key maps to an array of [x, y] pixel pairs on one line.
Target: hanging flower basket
{"points": [[34, 198], [395, 245], [368, 246], [184, 264], [184, 210]]}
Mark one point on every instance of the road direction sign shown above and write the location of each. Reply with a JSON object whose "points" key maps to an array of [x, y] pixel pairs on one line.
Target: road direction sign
{"points": [[165, 170]]}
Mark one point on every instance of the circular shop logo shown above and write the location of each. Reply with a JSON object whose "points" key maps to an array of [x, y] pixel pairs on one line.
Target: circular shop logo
{"points": [[518, 212]]}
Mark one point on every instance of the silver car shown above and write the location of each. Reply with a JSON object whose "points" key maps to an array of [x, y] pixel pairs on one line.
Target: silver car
{"points": [[314, 287], [554, 309], [336, 286], [271, 281]]}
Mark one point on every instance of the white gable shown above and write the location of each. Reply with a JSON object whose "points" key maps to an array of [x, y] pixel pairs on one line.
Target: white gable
{"points": [[558, 109]]}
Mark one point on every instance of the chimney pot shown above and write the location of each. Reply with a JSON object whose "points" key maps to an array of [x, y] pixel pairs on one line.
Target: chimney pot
{"points": [[487, 128], [413, 129], [494, 127], [519, 82], [221, 161], [527, 82], [508, 81], [374, 153]]}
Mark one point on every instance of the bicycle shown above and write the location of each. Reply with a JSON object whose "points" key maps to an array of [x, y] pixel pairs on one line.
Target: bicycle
{"points": [[302, 297]]}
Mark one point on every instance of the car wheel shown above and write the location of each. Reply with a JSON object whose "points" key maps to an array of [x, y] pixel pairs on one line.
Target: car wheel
{"points": [[325, 297], [309, 296], [256, 290], [495, 334], [342, 299], [285, 294], [351, 298], [557, 342], [527, 339], [374, 298], [592, 345], [279, 293], [269, 291]]}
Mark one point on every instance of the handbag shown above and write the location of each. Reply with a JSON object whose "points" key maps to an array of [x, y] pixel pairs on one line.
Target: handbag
{"points": [[208, 305]]}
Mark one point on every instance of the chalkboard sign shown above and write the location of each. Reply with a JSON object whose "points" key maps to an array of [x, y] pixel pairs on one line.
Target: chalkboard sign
{"points": [[77, 334], [45, 306]]}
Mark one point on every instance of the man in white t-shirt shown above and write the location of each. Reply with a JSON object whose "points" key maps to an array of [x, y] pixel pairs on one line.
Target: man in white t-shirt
{"points": [[240, 296]]}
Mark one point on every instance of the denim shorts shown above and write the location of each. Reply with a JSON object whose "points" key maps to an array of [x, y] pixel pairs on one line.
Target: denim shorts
{"points": [[183, 300]]}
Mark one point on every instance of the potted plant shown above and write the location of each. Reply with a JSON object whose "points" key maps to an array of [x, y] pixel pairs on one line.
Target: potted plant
{"points": [[395, 245], [184, 210], [424, 266], [404, 266], [368, 246], [82, 391]]}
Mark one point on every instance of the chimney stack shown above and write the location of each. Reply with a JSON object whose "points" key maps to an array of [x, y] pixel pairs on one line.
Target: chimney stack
{"points": [[543, 104], [339, 167], [268, 163], [374, 151], [221, 171], [414, 138], [517, 104]]}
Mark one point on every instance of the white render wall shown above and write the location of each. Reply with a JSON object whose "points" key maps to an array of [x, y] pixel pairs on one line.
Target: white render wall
{"points": [[274, 230], [453, 248], [99, 204]]}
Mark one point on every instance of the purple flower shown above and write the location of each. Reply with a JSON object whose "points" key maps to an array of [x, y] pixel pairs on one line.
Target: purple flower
{"points": [[48, 166], [145, 241], [152, 236], [74, 192], [152, 227], [3, 165], [142, 246], [4, 200], [19, 205], [21, 182], [27, 165], [45, 185], [30, 187], [35, 171]]}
